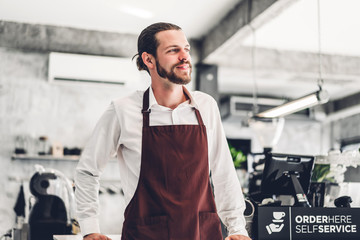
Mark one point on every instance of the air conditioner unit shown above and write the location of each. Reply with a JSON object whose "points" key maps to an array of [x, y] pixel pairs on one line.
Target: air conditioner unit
{"points": [[241, 106], [91, 69]]}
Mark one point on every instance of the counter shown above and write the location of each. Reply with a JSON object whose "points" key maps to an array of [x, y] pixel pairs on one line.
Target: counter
{"points": [[79, 237], [316, 223]]}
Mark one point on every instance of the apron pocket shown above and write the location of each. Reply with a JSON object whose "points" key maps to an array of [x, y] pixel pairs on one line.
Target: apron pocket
{"points": [[149, 228], [210, 227]]}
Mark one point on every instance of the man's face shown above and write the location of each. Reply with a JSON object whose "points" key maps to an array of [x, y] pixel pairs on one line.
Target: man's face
{"points": [[173, 60]]}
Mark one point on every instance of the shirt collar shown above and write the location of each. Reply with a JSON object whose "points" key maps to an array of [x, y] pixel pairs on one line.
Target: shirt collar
{"points": [[152, 99]]}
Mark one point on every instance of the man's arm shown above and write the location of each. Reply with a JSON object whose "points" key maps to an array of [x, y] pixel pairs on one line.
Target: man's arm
{"points": [[101, 145], [96, 236], [237, 237], [228, 194]]}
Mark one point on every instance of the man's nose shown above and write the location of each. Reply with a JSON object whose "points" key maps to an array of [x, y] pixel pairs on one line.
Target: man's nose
{"points": [[184, 56]]}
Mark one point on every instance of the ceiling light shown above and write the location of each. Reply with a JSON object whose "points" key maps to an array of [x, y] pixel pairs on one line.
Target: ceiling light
{"points": [[137, 12], [296, 105], [319, 97]]}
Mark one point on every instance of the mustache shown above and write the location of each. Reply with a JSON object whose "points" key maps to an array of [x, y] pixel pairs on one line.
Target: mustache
{"points": [[183, 62]]}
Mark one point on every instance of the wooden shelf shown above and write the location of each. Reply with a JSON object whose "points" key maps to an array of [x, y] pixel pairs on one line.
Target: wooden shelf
{"points": [[25, 157]]}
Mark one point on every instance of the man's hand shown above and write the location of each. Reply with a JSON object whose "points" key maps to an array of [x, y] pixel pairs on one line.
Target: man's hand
{"points": [[237, 237], [96, 236]]}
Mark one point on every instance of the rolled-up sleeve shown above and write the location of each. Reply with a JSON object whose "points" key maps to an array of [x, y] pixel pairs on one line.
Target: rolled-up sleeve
{"points": [[102, 144], [227, 189]]}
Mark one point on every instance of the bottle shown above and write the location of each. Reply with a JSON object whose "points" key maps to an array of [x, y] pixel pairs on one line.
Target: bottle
{"points": [[43, 145]]}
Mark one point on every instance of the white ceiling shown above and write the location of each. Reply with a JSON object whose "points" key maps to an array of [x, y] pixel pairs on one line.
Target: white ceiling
{"points": [[294, 29], [297, 28], [124, 16], [286, 60]]}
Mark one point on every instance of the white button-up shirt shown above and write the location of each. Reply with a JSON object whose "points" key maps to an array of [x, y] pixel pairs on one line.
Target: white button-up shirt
{"points": [[119, 132]]}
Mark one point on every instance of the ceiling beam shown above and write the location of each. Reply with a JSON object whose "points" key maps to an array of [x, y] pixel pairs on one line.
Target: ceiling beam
{"points": [[45, 38], [342, 104], [273, 60], [276, 72], [244, 12]]}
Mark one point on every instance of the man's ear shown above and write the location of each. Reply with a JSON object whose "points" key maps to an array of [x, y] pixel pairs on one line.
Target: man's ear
{"points": [[148, 60]]}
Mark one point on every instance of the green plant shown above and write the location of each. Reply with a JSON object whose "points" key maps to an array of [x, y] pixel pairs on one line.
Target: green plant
{"points": [[239, 158], [320, 173]]}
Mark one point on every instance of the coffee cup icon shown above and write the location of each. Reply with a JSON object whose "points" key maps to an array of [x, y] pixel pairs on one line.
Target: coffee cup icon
{"points": [[278, 216]]}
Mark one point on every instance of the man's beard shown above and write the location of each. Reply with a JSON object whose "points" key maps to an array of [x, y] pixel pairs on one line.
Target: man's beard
{"points": [[172, 76]]}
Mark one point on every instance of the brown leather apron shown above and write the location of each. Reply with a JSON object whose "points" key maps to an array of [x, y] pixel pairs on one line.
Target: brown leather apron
{"points": [[173, 199]]}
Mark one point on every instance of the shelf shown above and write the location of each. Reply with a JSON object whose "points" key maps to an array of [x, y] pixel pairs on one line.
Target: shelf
{"points": [[339, 159], [44, 158]]}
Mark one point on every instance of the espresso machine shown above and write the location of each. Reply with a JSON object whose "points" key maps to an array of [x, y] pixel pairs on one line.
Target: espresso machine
{"points": [[54, 208]]}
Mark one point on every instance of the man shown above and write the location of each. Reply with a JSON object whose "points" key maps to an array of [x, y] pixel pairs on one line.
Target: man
{"points": [[167, 140]]}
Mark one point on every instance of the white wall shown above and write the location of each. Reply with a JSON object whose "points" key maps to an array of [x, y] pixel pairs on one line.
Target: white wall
{"points": [[297, 137]]}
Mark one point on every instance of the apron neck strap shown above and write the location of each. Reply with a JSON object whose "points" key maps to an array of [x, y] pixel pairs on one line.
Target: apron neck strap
{"points": [[145, 110], [198, 116]]}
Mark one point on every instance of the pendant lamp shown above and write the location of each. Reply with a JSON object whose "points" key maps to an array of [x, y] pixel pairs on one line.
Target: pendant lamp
{"points": [[319, 97], [313, 99]]}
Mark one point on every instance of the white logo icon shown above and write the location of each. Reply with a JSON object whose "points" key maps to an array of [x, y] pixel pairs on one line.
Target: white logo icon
{"points": [[277, 224]]}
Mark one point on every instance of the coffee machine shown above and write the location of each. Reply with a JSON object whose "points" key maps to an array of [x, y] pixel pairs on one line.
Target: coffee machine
{"points": [[54, 209]]}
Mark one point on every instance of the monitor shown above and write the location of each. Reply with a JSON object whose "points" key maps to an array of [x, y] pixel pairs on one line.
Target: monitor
{"points": [[288, 174]]}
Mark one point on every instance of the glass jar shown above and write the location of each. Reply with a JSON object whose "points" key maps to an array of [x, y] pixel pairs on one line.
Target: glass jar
{"points": [[43, 145]]}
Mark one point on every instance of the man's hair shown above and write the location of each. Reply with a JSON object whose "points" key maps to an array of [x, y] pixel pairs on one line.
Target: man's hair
{"points": [[147, 41]]}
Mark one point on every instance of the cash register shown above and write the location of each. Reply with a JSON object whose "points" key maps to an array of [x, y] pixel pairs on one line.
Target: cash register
{"points": [[289, 174]]}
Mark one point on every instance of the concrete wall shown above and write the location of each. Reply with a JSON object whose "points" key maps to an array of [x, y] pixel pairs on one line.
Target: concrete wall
{"points": [[301, 137], [31, 106], [347, 128], [297, 137]]}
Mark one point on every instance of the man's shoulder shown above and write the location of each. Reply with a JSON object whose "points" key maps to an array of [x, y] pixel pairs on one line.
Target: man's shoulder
{"points": [[129, 100], [202, 98], [128, 104]]}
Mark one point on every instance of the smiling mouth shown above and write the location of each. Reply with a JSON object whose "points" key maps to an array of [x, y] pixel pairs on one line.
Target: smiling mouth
{"points": [[183, 66]]}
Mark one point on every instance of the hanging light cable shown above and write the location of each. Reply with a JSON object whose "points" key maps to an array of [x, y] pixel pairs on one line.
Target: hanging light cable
{"points": [[319, 97], [255, 109], [268, 130], [320, 79]]}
